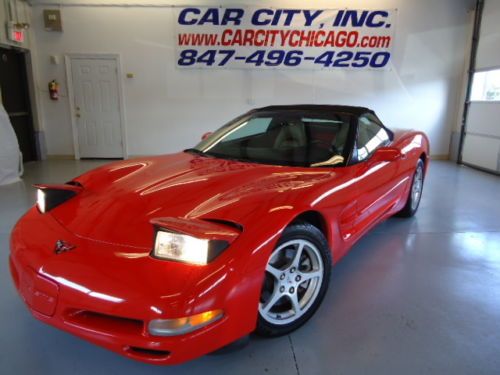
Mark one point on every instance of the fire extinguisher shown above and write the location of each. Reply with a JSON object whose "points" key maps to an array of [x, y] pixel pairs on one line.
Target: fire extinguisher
{"points": [[54, 90]]}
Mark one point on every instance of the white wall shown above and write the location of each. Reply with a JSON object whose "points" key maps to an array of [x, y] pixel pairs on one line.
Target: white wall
{"points": [[168, 109]]}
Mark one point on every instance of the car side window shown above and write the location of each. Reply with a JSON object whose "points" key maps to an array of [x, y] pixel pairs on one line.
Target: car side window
{"points": [[371, 136]]}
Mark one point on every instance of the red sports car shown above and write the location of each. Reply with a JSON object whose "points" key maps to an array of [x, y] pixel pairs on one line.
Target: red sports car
{"points": [[166, 258]]}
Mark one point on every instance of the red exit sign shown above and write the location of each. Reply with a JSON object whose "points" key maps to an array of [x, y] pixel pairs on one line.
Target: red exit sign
{"points": [[15, 32], [18, 36]]}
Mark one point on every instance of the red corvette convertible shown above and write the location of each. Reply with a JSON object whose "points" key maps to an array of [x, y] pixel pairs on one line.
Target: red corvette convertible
{"points": [[166, 258]]}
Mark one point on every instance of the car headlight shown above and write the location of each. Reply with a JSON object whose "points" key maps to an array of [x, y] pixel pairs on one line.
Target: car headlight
{"points": [[51, 196], [184, 248], [40, 200]]}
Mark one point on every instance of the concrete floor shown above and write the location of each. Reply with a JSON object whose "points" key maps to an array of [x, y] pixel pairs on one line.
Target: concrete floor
{"points": [[414, 296]]}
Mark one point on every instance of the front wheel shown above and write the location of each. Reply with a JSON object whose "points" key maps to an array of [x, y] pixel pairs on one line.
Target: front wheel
{"points": [[296, 280], [415, 194]]}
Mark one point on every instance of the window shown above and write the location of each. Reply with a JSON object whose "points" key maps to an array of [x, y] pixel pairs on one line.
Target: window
{"points": [[283, 137], [252, 127], [486, 86], [371, 135]]}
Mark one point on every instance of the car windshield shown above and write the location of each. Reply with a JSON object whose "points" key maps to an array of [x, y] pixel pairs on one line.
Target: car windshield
{"points": [[298, 138]]}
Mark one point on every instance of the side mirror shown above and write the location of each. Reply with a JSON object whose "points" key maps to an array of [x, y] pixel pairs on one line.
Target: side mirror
{"points": [[206, 135], [387, 154]]}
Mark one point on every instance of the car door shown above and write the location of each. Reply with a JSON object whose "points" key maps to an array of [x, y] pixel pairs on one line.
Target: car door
{"points": [[376, 179]]}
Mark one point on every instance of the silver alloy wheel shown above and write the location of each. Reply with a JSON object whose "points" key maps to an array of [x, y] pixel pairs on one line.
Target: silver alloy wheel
{"points": [[294, 275], [416, 188]]}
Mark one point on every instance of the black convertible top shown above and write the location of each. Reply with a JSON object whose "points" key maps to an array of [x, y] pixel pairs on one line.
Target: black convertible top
{"points": [[316, 107]]}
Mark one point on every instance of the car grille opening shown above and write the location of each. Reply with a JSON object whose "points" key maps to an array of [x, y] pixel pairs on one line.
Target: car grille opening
{"points": [[104, 323], [147, 353]]}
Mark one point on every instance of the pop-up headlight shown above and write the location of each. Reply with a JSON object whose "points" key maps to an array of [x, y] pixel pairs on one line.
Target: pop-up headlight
{"points": [[192, 240], [40, 200], [180, 247], [184, 248], [51, 196]]}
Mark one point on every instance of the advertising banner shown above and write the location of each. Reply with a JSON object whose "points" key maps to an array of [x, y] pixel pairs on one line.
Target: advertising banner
{"points": [[267, 38]]}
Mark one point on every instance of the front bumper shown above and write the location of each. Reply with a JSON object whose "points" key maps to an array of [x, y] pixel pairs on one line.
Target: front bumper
{"points": [[109, 300]]}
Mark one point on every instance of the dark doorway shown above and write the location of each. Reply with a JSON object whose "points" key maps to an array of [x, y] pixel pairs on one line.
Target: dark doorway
{"points": [[16, 101]]}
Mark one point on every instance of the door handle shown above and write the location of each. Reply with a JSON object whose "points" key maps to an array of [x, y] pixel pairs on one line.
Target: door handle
{"points": [[78, 115]]}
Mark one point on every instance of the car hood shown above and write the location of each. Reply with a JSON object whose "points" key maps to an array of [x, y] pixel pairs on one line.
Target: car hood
{"points": [[119, 200]]}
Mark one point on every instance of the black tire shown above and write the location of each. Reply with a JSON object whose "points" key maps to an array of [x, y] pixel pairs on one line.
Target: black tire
{"points": [[411, 206], [315, 251]]}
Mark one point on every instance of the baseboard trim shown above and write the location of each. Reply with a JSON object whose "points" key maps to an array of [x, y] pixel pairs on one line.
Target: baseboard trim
{"points": [[60, 157], [440, 157]]}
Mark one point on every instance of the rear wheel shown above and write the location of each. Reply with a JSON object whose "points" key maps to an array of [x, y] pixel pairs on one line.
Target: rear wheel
{"points": [[415, 194], [296, 280]]}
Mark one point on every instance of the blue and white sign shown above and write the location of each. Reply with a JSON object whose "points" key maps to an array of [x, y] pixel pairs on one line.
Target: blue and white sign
{"points": [[266, 38]]}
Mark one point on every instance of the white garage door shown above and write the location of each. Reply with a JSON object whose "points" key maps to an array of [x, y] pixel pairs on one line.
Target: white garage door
{"points": [[481, 146]]}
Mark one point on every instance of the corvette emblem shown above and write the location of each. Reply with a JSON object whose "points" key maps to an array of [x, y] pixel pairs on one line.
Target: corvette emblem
{"points": [[63, 246]]}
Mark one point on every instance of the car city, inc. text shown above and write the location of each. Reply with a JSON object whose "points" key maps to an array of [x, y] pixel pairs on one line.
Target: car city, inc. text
{"points": [[284, 38]]}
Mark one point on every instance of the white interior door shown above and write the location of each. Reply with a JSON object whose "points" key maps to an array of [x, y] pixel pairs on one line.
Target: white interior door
{"points": [[97, 107]]}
